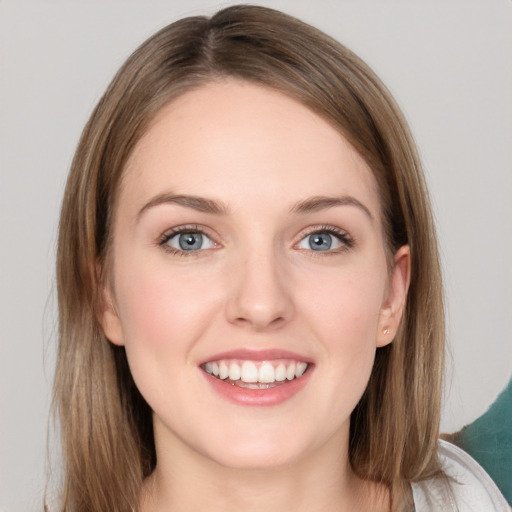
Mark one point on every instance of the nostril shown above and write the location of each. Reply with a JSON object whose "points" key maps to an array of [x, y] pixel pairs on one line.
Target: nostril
{"points": [[278, 321], [260, 322]]}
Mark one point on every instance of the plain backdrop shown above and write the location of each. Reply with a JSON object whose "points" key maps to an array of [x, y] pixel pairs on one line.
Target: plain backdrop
{"points": [[448, 63]]}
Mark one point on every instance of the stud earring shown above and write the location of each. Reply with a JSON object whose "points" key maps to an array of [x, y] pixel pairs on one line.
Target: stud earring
{"points": [[386, 331]]}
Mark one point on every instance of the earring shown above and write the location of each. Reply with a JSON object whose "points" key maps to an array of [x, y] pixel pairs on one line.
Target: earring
{"points": [[386, 331]]}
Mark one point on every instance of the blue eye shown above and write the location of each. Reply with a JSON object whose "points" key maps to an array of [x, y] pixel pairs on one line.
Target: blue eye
{"points": [[323, 241], [188, 241], [320, 241]]}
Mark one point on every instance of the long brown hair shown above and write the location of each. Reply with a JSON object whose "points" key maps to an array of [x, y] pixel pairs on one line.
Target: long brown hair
{"points": [[106, 426]]}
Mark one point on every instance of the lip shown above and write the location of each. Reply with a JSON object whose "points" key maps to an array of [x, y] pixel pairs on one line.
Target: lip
{"points": [[257, 355], [258, 397]]}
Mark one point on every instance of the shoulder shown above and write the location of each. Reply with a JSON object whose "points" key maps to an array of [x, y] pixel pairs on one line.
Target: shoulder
{"points": [[466, 487]]}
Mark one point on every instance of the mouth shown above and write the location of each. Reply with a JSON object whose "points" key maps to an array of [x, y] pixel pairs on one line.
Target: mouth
{"points": [[250, 374]]}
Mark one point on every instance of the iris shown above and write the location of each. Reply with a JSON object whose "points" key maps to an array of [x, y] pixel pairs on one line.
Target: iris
{"points": [[320, 241]]}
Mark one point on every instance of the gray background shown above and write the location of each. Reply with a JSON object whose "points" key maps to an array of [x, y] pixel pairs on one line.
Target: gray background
{"points": [[449, 64]]}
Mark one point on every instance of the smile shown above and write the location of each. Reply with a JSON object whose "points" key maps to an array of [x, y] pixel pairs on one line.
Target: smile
{"points": [[256, 374]]}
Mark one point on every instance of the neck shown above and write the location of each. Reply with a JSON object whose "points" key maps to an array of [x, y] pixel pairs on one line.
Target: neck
{"points": [[322, 481]]}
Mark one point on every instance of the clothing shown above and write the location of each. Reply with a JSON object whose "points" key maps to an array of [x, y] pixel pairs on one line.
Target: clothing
{"points": [[489, 441], [468, 488]]}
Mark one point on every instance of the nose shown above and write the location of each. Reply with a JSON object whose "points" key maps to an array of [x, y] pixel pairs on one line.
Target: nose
{"points": [[260, 297]]}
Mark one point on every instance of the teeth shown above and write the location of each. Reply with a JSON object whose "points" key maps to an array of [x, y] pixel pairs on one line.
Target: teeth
{"points": [[234, 371], [249, 372], [290, 372], [256, 372], [281, 372], [266, 373], [223, 370], [301, 368]]}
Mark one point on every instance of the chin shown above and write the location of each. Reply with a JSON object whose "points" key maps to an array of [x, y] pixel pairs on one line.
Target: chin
{"points": [[259, 452]]}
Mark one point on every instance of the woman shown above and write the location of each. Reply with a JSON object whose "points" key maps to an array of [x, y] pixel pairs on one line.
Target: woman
{"points": [[249, 289]]}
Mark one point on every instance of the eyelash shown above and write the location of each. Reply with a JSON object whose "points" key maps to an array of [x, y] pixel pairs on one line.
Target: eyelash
{"points": [[190, 228], [342, 236]]}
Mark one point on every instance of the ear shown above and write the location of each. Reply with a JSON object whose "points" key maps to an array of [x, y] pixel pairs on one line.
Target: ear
{"points": [[107, 314], [396, 297]]}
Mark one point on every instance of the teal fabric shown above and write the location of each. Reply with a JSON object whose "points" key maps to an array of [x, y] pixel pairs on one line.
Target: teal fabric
{"points": [[489, 441]]}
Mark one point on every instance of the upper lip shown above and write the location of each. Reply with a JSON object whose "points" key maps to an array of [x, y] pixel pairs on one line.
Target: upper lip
{"points": [[250, 354]]}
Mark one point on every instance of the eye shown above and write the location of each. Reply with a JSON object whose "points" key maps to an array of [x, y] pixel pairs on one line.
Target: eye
{"points": [[325, 240], [187, 241]]}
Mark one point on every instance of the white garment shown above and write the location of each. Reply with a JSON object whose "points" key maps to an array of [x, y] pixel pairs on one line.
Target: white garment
{"points": [[468, 489]]}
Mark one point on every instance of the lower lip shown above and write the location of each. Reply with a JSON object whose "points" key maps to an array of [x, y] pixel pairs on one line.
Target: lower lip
{"points": [[258, 397]]}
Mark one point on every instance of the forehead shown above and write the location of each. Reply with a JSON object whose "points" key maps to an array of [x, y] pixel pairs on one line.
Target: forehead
{"points": [[244, 140]]}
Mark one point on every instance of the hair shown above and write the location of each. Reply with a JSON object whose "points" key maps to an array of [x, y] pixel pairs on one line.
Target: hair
{"points": [[106, 426]]}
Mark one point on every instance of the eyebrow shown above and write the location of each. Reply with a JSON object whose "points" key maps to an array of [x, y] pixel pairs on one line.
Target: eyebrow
{"points": [[210, 206], [317, 203], [200, 204]]}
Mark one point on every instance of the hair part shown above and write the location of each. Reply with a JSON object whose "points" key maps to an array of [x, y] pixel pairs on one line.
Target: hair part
{"points": [[106, 425]]}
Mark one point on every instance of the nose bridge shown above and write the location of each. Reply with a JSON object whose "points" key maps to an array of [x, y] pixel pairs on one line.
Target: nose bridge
{"points": [[260, 294]]}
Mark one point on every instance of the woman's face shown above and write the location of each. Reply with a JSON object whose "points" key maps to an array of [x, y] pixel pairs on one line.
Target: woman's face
{"points": [[248, 244]]}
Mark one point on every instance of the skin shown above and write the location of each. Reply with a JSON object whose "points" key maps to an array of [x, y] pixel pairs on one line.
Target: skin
{"points": [[256, 284]]}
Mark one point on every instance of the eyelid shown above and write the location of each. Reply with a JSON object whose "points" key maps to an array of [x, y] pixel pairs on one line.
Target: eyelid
{"points": [[185, 228], [341, 234]]}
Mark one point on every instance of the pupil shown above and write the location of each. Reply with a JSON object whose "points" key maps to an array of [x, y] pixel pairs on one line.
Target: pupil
{"points": [[320, 241], [189, 241]]}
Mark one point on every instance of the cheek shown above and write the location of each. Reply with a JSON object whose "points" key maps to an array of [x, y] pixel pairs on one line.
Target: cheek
{"points": [[346, 306], [163, 313], [161, 308], [344, 314]]}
